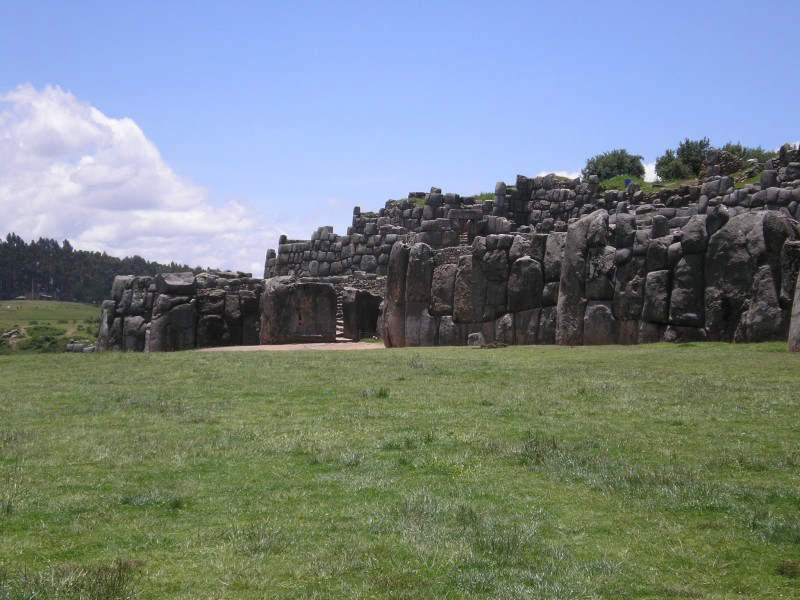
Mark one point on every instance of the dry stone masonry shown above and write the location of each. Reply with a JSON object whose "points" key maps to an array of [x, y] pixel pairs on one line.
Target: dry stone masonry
{"points": [[544, 261]]}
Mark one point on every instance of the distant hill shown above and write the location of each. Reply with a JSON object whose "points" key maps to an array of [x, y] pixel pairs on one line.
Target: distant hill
{"points": [[45, 268]]}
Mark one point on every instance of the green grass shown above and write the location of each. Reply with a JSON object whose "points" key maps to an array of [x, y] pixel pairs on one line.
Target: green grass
{"points": [[46, 326], [661, 471]]}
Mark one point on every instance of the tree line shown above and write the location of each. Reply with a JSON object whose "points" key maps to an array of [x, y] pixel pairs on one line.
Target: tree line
{"points": [[47, 268], [685, 162]]}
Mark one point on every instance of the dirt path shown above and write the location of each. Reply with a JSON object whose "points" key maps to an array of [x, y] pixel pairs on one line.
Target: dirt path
{"points": [[289, 347]]}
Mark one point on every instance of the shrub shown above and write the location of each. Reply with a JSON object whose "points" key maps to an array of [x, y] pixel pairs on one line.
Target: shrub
{"points": [[746, 152], [611, 164], [670, 167]]}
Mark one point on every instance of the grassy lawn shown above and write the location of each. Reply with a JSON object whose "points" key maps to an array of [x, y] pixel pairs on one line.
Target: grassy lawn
{"points": [[660, 471], [46, 326]]}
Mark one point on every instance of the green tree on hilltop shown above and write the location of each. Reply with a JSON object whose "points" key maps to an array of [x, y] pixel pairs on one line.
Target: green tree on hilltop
{"points": [[611, 164]]}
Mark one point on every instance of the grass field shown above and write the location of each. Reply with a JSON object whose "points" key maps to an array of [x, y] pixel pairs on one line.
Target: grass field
{"points": [[46, 326], [660, 471]]}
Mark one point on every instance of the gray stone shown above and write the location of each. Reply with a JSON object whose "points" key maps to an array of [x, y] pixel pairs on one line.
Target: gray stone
{"points": [[651, 333], [469, 291], [554, 249], [175, 283], [660, 227], [629, 281], [133, 332], [419, 273], [452, 333], [572, 288], [476, 339], [550, 294], [600, 273], [442, 288], [394, 304], [658, 253], [526, 326], [495, 264], [625, 230], [294, 312], [547, 325], [525, 285], [735, 253], [173, 330], [695, 236], [421, 328], [686, 306], [790, 268], [210, 301], [682, 335], [504, 329], [656, 296], [598, 324], [764, 319]]}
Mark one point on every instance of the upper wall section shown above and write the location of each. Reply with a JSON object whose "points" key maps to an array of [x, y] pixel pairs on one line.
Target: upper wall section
{"points": [[532, 205]]}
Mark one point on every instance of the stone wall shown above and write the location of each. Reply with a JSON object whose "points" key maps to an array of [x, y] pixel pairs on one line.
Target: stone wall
{"points": [[546, 260], [542, 204], [178, 311], [609, 279], [181, 311]]}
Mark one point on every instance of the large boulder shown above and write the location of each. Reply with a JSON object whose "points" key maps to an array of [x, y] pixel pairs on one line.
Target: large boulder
{"points": [[419, 273], [181, 284], [294, 312], [735, 254], [794, 327], [588, 232], [210, 301], [629, 282], [394, 313], [421, 328], [469, 294], [764, 319], [525, 284], [109, 308], [656, 297], [174, 329], [526, 326], [442, 286], [686, 307], [554, 249], [599, 326], [600, 273], [133, 333]]}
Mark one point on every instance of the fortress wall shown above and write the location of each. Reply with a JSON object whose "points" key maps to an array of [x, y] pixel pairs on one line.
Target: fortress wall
{"points": [[544, 204], [607, 280]]}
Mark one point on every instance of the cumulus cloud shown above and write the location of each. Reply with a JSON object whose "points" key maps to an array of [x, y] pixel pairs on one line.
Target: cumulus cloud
{"points": [[67, 171], [650, 171], [567, 174]]}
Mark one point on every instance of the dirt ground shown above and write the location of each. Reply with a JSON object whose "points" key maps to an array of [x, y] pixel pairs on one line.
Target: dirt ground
{"points": [[285, 347]]}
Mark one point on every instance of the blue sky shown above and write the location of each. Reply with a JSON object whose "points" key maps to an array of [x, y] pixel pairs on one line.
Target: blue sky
{"points": [[201, 131]]}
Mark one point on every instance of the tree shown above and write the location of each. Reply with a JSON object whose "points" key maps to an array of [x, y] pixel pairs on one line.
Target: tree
{"points": [[684, 163], [746, 152], [693, 152], [611, 164], [670, 167]]}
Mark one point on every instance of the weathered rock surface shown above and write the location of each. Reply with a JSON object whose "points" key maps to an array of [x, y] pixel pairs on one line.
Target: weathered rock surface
{"points": [[294, 312]]}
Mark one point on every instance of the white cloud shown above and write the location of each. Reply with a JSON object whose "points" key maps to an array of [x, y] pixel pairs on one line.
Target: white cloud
{"points": [[650, 171], [567, 174], [67, 171]]}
